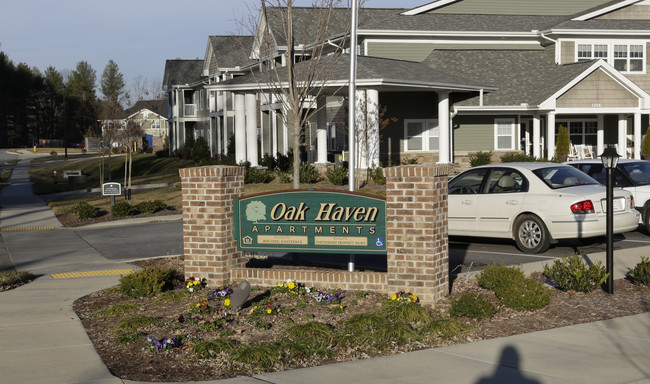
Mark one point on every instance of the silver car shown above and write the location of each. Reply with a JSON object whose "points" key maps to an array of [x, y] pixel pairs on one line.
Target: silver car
{"points": [[631, 175], [535, 204]]}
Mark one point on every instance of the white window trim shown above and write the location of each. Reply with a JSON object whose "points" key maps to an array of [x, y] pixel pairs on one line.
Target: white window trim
{"points": [[513, 134], [569, 121], [610, 51], [426, 134]]}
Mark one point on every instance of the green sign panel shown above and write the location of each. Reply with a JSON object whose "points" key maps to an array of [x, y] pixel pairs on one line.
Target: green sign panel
{"points": [[311, 221], [111, 189]]}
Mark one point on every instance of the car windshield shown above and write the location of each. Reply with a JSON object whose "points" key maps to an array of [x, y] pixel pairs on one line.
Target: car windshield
{"points": [[563, 176], [639, 172]]}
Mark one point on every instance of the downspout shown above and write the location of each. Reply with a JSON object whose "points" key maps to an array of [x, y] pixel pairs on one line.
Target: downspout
{"points": [[557, 51]]}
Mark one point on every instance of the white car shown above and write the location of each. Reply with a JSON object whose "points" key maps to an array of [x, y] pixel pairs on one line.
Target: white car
{"points": [[631, 175], [535, 204]]}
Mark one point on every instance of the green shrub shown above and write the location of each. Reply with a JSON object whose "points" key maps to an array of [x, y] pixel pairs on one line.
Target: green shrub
{"points": [[148, 281], [284, 163], [186, 152], [151, 206], [308, 174], [256, 175], [645, 145], [121, 209], [284, 177], [338, 176], [573, 274], [162, 153], [84, 210], [641, 272], [269, 162], [524, 295], [496, 276], [517, 157], [200, 150], [473, 305], [377, 176], [480, 158], [562, 143]]}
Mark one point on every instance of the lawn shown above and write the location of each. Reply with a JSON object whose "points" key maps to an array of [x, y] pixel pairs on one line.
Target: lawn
{"points": [[147, 169]]}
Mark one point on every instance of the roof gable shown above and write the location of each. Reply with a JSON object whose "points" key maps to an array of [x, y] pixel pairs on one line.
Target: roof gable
{"points": [[507, 7]]}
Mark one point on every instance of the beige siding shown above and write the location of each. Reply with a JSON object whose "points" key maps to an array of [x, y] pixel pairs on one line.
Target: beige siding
{"points": [[266, 133], [474, 135], [568, 52], [597, 90], [633, 12], [520, 7]]}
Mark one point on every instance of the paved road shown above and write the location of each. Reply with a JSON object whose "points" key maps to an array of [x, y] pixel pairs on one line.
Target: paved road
{"points": [[466, 254]]}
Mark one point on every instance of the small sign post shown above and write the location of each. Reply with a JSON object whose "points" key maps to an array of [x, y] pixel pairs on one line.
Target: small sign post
{"points": [[112, 190]]}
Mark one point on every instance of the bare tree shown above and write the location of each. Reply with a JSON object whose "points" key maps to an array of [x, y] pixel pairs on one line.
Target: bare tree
{"points": [[294, 78]]}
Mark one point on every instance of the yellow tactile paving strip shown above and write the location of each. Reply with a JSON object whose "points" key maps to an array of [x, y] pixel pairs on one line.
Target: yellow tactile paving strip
{"points": [[26, 229], [109, 272]]}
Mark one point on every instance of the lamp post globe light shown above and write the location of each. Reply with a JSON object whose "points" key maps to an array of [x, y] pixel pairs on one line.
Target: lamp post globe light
{"points": [[609, 157]]}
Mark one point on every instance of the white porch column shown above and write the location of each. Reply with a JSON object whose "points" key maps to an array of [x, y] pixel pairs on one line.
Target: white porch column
{"points": [[444, 128], [321, 130], [218, 120], [285, 133], [637, 135], [251, 129], [600, 135], [361, 130], [536, 137], [372, 111], [622, 136], [240, 127], [550, 135]]}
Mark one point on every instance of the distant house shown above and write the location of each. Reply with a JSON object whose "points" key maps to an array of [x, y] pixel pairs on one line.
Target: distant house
{"points": [[457, 76], [150, 116]]}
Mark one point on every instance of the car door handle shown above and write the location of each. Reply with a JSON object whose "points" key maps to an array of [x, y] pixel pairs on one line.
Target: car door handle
{"points": [[466, 202], [512, 202]]}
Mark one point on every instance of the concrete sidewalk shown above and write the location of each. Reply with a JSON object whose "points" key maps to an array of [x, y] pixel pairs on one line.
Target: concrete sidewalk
{"points": [[43, 341]]}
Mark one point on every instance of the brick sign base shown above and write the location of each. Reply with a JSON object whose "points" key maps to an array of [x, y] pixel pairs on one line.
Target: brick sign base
{"points": [[416, 235]]}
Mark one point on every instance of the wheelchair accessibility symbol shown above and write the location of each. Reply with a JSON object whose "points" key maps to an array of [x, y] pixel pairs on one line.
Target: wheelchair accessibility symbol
{"points": [[379, 242]]}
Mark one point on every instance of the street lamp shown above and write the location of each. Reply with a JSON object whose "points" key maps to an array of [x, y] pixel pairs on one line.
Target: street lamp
{"points": [[609, 158]]}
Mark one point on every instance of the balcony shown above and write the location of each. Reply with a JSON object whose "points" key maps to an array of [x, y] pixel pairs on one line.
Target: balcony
{"points": [[189, 110]]}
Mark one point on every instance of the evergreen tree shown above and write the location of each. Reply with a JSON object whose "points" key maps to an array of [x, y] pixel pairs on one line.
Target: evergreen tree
{"points": [[112, 82]]}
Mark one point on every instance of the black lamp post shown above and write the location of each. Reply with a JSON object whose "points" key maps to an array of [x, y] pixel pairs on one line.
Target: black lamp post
{"points": [[609, 158]]}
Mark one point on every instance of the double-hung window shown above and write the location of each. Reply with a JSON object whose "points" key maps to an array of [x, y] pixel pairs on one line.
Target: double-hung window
{"points": [[504, 134], [421, 135], [626, 57]]}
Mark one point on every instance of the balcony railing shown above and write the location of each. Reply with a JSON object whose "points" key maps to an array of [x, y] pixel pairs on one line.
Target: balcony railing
{"points": [[189, 110]]}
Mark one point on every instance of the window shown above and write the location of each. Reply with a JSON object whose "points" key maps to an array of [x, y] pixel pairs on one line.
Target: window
{"points": [[421, 135], [155, 124], [504, 134], [580, 132], [627, 57]]}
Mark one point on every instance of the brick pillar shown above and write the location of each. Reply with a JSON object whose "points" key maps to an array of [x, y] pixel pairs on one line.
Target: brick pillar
{"points": [[210, 247], [416, 230]]}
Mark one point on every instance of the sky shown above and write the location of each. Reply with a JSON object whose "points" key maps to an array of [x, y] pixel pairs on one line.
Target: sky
{"points": [[139, 35]]}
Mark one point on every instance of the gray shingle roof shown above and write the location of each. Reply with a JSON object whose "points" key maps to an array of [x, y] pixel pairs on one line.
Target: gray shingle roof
{"points": [[178, 72], [605, 24], [335, 68], [231, 51], [306, 20], [156, 106], [457, 22], [522, 76]]}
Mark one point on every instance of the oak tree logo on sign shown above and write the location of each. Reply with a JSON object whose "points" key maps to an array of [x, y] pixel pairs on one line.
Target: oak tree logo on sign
{"points": [[255, 211]]}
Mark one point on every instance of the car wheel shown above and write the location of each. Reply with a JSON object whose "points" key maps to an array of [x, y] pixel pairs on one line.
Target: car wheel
{"points": [[531, 234]]}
